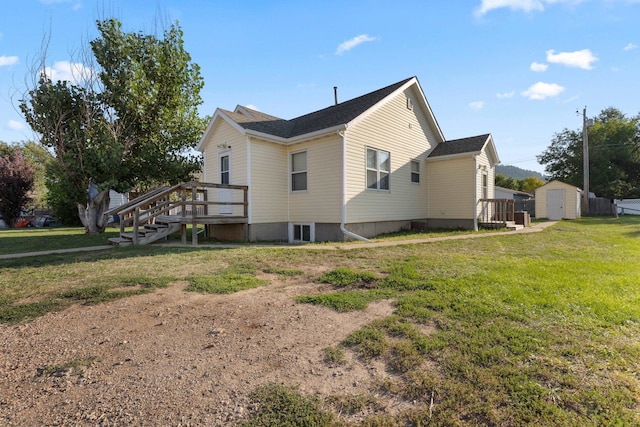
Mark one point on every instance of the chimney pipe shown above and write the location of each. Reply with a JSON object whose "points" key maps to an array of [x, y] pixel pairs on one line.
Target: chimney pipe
{"points": [[335, 94]]}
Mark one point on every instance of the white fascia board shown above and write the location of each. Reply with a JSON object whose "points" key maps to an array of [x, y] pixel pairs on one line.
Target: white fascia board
{"points": [[492, 150], [298, 139], [432, 116], [383, 101], [219, 114], [471, 154]]}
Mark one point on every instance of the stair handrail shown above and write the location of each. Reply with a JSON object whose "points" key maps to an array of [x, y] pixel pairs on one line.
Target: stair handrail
{"points": [[136, 200], [148, 198]]}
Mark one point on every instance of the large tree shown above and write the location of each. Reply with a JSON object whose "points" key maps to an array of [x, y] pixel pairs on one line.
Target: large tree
{"points": [[38, 157], [128, 125], [16, 181], [614, 156]]}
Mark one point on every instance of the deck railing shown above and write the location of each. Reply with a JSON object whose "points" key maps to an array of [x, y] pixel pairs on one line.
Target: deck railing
{"points": [[189, 203], [496, 210]]}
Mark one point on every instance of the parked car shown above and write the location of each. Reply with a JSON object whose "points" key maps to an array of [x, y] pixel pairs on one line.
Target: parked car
{"points": [[43, 221]]}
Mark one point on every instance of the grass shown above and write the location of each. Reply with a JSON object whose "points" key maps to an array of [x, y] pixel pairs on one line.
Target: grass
{"points": [[19, 240], [524, 329]]}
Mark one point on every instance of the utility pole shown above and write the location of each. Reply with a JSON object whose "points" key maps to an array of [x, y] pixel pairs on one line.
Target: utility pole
{"points": [[585, 162]]}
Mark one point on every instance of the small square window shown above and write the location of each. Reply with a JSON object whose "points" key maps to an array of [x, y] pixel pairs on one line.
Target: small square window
{"points": [[302, 233]]}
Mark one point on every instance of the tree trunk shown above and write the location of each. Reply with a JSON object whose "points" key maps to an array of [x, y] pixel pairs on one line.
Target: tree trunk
{"points": [[92, 216]]}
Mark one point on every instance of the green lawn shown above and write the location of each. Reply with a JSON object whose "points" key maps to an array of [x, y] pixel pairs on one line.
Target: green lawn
{"points": [[19, 240], [526, 329]]}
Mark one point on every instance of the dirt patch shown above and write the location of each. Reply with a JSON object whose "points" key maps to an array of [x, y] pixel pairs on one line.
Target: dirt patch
{"points": [[174, 357]]}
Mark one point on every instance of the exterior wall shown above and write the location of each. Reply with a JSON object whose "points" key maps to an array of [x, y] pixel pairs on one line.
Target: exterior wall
{"points": [[451, 190], [269, 185], [571, 199], [406, 135], [322, 201]]}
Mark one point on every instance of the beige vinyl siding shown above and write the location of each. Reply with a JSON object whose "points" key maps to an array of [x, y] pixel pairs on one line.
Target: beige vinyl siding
{"points": [[269, 182], [451, 191], [321, 202], [407, 136], [224, 133]]}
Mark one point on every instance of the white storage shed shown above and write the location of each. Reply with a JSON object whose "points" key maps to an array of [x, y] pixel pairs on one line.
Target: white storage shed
{"points": [[557, 200]]}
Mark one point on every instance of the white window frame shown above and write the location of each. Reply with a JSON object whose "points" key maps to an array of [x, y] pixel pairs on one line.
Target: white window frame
{"points": [[485, 185], [377, 169], [312, 232], [418, 173], [305, 171]]}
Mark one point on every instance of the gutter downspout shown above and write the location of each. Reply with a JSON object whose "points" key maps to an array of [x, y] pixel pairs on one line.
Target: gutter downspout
{"points": [[343, 216], [475, 193]]}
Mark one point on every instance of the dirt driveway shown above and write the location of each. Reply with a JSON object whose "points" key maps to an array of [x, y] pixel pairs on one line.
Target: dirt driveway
{"points": [[174, 357]]}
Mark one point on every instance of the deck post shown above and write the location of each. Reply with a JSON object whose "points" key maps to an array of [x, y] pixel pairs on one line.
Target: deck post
{"points": [[194, 216], [136, 225]]}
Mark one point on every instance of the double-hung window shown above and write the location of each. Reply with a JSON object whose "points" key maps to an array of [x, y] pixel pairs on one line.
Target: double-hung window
{"points": [[378, 169], [299, 171], [485, 185], [415, 171]]}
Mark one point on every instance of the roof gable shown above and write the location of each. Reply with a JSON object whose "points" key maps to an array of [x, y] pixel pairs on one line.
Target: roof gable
{"points": [[465, 147]]}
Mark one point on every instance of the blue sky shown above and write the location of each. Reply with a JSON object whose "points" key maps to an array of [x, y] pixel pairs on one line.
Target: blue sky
{"points": [[518, 69]]}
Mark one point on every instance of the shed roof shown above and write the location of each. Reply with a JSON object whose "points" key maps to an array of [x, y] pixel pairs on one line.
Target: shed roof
{"points": [[460, 146]]}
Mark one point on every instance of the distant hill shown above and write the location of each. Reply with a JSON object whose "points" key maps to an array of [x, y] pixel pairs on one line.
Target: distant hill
{"points": [[516, 172]]}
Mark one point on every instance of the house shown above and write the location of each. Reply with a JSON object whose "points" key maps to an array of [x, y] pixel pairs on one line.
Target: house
{"points": [[557, 200], [374, 164], [508, 193]]}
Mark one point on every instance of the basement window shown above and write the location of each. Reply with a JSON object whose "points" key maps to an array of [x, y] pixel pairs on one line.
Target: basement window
{"points": [[301, 232]]}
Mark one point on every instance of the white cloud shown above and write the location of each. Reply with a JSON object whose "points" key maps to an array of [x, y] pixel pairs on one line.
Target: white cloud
{"points": [[15, 125], [77, 4], [538, 68], [631, 46], [506, 95], [541, 90], [6, 61], [580, 58], [73, 72], [476, 105], [524, 5], [350, 44]]}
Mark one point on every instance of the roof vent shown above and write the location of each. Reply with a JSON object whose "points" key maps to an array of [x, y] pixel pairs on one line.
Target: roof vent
{"points": [[335, 95]]}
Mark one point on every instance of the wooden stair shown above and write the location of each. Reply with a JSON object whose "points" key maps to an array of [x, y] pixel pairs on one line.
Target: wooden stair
{"points": [[150, 233], [166, 210]]}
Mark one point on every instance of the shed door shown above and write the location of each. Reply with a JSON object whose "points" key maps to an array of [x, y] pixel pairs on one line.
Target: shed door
{"points": [[555, 204], [225, 194]]}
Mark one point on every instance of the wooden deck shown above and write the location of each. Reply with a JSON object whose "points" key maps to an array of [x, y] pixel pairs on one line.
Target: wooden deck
{"points": [[166, 210]]}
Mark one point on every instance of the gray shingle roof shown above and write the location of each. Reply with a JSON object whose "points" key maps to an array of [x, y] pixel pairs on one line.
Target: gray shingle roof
{"points": [[326, 118], [460, 146]]}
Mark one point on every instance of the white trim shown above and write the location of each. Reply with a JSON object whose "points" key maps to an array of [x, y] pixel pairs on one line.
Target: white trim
{"points": [[312, 231], [249, 183], [475, 193]]}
